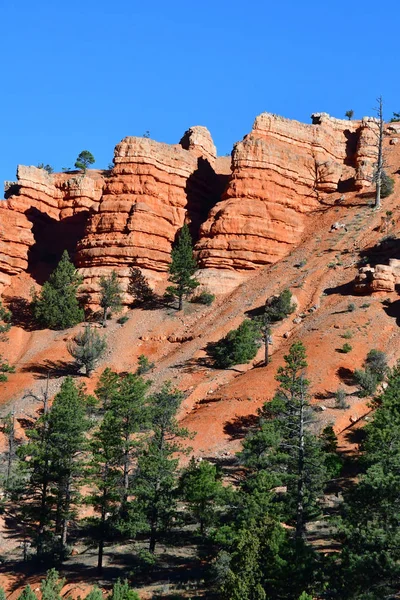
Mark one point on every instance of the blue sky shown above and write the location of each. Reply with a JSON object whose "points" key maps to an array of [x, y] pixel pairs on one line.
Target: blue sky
{"points": [[83, 75]]}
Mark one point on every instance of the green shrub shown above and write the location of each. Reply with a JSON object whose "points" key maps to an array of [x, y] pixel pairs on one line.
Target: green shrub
{"points": [[347, 335], [144, 365], [387, 185], [346, 348], [203, 298], [367, 382], [376, 362], [279, 307], [122, 320], [239, 346], [351, 307], [340, 399]]}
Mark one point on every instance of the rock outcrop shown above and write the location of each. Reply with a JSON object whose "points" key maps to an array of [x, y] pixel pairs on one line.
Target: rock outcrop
{"points": [[241, 219], [381, 278], [43, 214], [111, 220], [280, 171]]}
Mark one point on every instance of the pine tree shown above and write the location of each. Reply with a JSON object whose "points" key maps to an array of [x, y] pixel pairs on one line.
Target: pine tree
{"points": [[51, 586], [67, 428], [283, 444], [202, 490], [84, 160], [87, 348], [95, 594], [182, 268], [122, 591], [51, 461], [128, 406], [155, 480], [57, 307], [9, 431], [27, 594], [370, 531], [103, 475], [110, 295], [5, 326], [239, 346]]}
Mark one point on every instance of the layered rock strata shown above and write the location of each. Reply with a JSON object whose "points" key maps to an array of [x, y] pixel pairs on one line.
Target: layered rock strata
{"points": [[280, 172]]}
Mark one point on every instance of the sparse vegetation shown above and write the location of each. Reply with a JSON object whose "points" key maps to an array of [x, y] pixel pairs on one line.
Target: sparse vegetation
{"points": [[48, 168], [347, 335], [346, 348], [351, 307], [349, 114], [203, 298], [340, 399]]}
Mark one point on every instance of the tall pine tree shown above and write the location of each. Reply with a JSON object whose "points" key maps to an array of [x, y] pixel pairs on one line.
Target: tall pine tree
{"points": [[57, 307], [182, 268]]}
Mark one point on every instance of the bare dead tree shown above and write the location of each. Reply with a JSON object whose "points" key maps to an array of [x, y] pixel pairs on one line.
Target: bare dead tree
{"points": [[379, 170], [42, 397]]}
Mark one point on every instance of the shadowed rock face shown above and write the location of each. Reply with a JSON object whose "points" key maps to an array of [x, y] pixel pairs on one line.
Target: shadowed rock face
{"points": [[130, 215]]}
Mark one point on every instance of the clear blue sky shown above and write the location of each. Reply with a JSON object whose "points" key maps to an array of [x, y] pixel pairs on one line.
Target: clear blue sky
{"points": [[82, 75]]}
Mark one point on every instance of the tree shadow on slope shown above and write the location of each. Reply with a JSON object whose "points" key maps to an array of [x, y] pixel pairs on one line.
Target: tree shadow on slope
{"points": [[346, 375], [380, 253], [240, 426], [20, 309], [345, 289], [393, 310], [51, 368]]}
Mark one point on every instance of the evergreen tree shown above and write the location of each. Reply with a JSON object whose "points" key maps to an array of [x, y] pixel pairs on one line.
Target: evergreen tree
{"points": [[122, 591], [283, 445], [51, 461], [370, 532], [155, 481], [5, 326], [9, 431], [202, 490], [239, 346], [279, 307], [110, 295], [182, 268], [103, 476], [128, 406], [84, 160], [139, 287], [95, 594], [67, 428], [27, 594], [57, 307], [87, 348], [51, 586]]}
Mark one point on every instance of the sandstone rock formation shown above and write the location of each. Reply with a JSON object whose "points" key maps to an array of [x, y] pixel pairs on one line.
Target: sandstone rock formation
{"points": [[381, 278], [31, 215], [130, 215], [115, 219], [279, 173]]}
